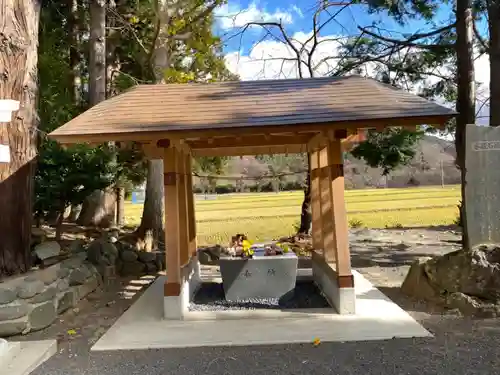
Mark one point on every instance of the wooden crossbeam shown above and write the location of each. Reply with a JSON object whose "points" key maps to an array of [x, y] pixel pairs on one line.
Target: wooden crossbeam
{"points": [[251, 150], [250, 141]]}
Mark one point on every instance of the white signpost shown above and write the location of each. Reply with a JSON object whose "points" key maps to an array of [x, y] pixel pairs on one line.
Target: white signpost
{"points": [[7, 106]]}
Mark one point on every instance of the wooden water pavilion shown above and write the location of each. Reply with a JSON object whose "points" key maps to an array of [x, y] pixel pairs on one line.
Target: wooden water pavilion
{"points": [[320, 116]]}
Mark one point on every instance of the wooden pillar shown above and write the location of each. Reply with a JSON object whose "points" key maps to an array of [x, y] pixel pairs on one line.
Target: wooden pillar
{"points": [[191, 212], [183, 209], [317, 230], [340, 225], [172, 237], [328, 232]]}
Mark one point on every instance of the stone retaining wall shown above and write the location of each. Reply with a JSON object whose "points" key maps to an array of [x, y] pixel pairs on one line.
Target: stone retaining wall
{"points": [[32, 302], [128, 260]]}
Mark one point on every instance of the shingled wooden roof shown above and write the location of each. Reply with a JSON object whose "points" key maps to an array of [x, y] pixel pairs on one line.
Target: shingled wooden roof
{"points": [[334, 101]]}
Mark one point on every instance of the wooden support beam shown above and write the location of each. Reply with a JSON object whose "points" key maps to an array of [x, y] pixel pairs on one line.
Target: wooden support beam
{"points": [[321, 140], [155, 149], [340, 134], [253, 150], [172, 238], [152, 151], [439, 126], [201, 132], [317, 228], [183, 209], [410, 128], [181, 145], [340, 225], [317, 142], [191, 211], [250, 141], [328, 233]]}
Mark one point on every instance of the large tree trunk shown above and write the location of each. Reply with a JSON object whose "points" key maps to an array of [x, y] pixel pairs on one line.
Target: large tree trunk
{"points": [[154, 208], [153, 211], [494, 51], [74, 61], [466, 96], [18, 81], [305, 213], [99, 209]]}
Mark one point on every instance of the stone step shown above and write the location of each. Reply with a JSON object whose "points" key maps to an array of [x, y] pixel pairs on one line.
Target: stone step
{"points": [[27, 356]]}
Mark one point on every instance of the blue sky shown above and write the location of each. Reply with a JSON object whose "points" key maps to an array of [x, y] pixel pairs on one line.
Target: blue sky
{"points": [[297, 17]]}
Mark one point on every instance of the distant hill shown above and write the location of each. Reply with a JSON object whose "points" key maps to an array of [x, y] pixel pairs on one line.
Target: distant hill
{"points": [[433, 164]]}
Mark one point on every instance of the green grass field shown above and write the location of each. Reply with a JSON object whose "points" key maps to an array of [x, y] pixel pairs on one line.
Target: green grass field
{"points": [[266, 216]]}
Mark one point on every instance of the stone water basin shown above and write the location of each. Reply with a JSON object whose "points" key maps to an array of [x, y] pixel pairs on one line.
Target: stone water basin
{"points": [[260, 277]]}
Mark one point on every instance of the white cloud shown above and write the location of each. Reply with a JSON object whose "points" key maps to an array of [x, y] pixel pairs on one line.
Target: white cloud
{"points": [[231, 16], [297, 10], [271, 59]]}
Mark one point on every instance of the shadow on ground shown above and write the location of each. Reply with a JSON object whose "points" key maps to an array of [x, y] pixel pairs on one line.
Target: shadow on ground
{"points": [[384, 256], [80, 327], [437, 228]]}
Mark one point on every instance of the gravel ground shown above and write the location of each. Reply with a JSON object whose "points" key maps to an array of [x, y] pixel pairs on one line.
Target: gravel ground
{"points": [[460, 347], [210, 297]]}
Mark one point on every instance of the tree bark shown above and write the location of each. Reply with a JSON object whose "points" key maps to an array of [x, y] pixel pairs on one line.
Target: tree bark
{"points": [[74, 213], [494, 52], [120, 207], [305, 213], [18, 81], [73, 31], [100, 208], [59, 225], [466, 96], [154, 208]]}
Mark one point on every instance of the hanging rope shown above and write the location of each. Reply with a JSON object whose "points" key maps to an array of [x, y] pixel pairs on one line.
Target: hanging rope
{"points": [[236, 178]]}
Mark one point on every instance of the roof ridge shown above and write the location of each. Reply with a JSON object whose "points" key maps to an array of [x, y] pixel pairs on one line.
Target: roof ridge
{"points": [[257, 81]]}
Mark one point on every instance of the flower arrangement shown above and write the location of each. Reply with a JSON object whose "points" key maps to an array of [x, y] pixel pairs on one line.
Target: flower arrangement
{"points": [[241, 246], [247, 250]]}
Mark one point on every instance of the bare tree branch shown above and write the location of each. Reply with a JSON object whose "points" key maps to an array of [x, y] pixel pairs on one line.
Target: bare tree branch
{"points": [[478, 36], [285, 36], [410, 42]]}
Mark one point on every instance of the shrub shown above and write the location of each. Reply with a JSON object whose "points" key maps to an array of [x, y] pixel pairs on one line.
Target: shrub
{"points": [[355, 223], [224, 189], [395, 225]]}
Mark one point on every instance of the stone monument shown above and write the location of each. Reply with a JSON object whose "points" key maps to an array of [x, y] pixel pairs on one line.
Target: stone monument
{"points": [[482, 189]]}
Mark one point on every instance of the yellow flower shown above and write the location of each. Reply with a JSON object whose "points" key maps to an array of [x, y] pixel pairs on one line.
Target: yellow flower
{"points": [[71, 332], [283, 247], [246, 243], [316, 342]]}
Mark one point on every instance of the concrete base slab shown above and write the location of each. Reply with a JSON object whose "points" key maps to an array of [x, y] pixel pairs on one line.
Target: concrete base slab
{"points": [[27, 356], [143, 326], [9, 350]]}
